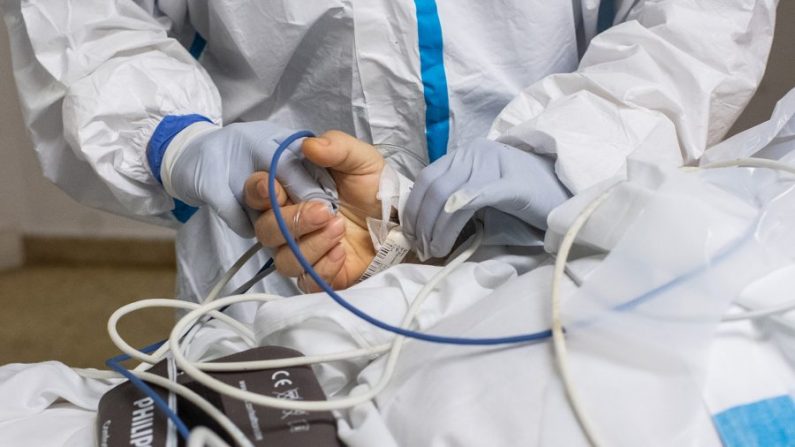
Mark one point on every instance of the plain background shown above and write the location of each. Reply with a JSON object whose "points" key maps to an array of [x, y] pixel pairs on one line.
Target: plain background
{"points": [[31, 205]]}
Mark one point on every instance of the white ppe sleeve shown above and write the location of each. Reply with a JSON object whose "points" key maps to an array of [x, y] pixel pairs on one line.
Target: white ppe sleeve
{"points": [[666, 83], [95, 78]]}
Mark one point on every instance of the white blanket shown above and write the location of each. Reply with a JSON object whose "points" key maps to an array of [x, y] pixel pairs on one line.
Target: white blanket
{"points": [[441, 395]]}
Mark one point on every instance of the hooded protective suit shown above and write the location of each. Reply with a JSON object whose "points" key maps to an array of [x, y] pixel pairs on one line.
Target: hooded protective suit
{"points": [[418, 78]]}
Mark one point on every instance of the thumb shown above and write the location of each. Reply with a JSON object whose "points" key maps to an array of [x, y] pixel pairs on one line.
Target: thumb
{"points": [[343, 153], [232, 213]]}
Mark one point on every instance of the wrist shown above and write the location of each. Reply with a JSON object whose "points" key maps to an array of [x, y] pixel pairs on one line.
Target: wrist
{"points": [[168, 141], [177, 147], [390, 244]]}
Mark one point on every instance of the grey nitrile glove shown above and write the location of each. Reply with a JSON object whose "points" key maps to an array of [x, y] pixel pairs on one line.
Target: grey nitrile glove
{"points": [[482, 174], [212, 166]]}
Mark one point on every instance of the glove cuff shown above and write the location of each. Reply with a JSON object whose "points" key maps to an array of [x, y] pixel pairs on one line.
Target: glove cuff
{"points": [[177, 146], [168, 128]]}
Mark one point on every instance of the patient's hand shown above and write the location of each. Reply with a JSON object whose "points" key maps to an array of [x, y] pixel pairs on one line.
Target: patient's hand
{"points": [[339, 247]]}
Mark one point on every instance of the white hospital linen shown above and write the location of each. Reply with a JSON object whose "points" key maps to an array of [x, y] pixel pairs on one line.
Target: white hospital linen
{"points": [[441, 395]]}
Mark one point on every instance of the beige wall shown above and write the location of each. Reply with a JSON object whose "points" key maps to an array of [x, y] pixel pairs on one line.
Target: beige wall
{"points": [[780, 74], [29, 204]]}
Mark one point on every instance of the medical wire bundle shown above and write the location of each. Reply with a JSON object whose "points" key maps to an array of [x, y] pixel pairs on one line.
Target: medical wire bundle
{"points": [[210, 307], [195, 370]]}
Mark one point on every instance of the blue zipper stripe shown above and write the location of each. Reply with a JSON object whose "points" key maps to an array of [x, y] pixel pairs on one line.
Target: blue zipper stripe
{"points": [[434, 79], [607, 13], [197, 46]]}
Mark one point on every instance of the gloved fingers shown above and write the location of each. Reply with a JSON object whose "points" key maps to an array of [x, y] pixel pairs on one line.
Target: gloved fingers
{"points": [[343, 153], [328, 267], [416, 200], [299, 183], [256, 192], [437, 228], [500, 228], [531, 202], [311, 216], [475, 198], [231, 212], [323, 178], [445, 232], [313, 246]]}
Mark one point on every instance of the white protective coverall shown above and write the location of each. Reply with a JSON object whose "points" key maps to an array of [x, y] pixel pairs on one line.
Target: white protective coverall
{"points": [[97, 76]]}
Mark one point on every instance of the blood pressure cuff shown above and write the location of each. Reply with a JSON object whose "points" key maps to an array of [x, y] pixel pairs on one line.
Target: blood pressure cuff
{"points": [[127, 417]]}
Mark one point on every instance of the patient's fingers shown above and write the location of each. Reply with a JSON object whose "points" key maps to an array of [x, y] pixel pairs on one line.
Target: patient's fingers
{"points": [[313, 246], [328, 267], [312, 216], [343, 153], [256, 192]]}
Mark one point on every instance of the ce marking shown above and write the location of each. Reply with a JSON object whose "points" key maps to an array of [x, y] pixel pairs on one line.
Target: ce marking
{"points": [[281, 382]]}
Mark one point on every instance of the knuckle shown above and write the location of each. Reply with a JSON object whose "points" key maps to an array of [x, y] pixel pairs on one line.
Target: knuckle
{"points": [[266, 231], [285, 263]]}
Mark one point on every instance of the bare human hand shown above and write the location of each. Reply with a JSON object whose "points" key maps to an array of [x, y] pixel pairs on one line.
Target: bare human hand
{"points": [[338, 246]]}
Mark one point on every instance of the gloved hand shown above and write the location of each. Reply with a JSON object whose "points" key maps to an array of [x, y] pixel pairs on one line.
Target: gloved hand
{"points": [[482, 174], [212, 167]]}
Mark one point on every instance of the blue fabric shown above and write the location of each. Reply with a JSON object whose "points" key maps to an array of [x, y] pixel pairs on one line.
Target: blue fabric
{"points": [[607, 13], [168, 128], [765, 423], [182, 211], [434, 79], [197, 46]]}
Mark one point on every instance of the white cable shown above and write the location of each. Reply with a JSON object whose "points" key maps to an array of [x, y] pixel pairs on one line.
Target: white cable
{"points": [[182, 391], [558, 338], [160, 353], [204, 437], [336, 404], [240, 328], [246, 333]]}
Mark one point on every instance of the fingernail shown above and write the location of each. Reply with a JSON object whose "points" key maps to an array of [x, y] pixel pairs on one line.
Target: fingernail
{"points": [[318, 213], [262, 188], [322, 141], [320, 198], [337, 227], [457, 201]]}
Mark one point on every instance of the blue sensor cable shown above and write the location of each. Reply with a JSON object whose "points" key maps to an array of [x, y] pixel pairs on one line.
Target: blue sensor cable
{"points": [[115, 364]]}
